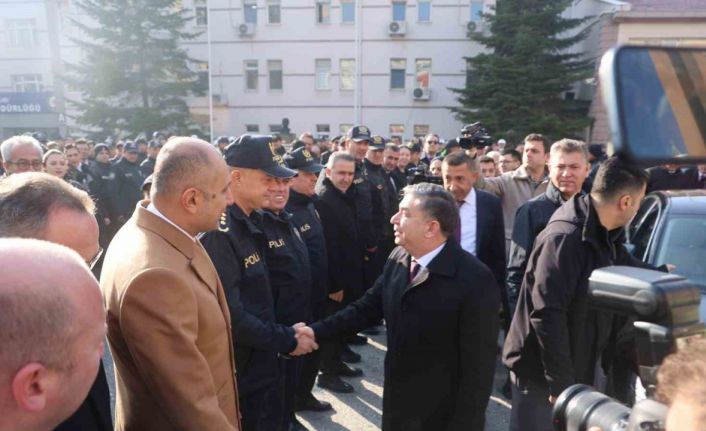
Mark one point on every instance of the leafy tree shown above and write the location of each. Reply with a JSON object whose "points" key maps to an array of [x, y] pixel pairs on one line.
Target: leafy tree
{"points": [[517, 85], [135, 77]]}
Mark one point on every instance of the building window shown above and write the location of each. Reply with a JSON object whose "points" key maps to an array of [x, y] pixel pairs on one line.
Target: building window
{"points": [[201, 12], [422, 67], [251, 74], [323, 128], [421, 130], [347, 11], [397, 129], [252, 128], [274, 12], [323, 11], [344, 128], [250, 11], [424, 11], [399, 9], [274, 70], [398, 67], [476, 10], [20, 33], [275, 128], [202, 74], [323, 74], [347, 74], [27, 83]]}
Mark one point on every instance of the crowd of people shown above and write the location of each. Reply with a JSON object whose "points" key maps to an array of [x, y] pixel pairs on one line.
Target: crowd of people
{"points": [[238, 273]]}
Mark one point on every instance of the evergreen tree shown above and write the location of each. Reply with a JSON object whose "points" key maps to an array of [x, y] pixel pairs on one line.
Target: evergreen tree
{"points": [[516, 86], [135, 76]]}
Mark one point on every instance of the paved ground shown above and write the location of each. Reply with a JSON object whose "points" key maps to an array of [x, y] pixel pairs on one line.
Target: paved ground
{"points": [[362, 410]]}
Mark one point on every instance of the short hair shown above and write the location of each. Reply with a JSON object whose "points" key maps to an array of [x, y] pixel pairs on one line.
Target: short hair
{"points": [[616, 177], [68, 147], [683, 375], [51, 153], [538, 137], [306, 135], [339, 156], [568, 146], [178, 166], [81, 141], [437, 204], [486, 159], [431, 135], [28, 199], [513, 153], [404, 147], [392, 147], [10, 144], [461, 158]]}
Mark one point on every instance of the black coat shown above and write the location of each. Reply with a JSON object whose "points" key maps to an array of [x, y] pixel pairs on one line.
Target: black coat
{"points": [[555, 338], [662, 179], [344, 245], [531, 218], [130, 183], [381, 204], [147, 167], [490, 234], [442, 331], [104, 187], [94, 412], [237, 250], [307, 221], [290, 273]]}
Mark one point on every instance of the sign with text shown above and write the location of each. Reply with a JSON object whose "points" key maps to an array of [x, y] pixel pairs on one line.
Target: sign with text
{"points": [[26, 103]]}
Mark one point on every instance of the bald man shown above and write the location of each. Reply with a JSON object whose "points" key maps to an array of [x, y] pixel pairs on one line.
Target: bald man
{"points": [[168, 319], [52, 327]]}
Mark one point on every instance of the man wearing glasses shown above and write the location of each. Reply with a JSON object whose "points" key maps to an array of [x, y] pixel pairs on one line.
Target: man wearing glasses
{"points": [[40, 206], [21, 154], [431, 148]]}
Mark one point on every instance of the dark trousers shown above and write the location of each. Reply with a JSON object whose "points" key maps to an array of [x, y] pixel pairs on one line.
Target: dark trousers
{"points": [[290, 369], [330, 356], [262, 408], [531, 410], [310, 362]]}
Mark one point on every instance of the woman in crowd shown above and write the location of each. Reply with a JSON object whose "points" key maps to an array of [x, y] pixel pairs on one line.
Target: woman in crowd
{"points": [[55, 164]]}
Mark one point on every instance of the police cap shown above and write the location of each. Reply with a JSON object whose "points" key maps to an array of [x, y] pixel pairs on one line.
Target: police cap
{"points": [[377, 143], [257, 152], [130, 147], [302, 160], [359, 133]]}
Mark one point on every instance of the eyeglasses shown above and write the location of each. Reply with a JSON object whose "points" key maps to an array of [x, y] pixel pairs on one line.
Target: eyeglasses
{"points": [[91, 263], [432, 142], [25, 164]]}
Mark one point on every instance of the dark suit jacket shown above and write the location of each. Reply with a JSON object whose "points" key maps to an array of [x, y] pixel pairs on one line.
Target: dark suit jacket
{"points": [[94, 412], [442, 330], [490, 234]]}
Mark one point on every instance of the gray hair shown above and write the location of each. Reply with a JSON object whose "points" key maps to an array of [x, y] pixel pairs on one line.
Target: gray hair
{"points": [[28, 199], [461, 158], [9, 144], [566, 146], [338, 156], [437, 204]]}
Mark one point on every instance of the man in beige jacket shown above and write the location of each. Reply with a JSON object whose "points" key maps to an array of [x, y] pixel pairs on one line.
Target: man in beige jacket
{"points": [[168, 320]]}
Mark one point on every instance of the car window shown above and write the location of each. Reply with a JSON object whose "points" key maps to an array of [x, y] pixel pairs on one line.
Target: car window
{"points": [[646, 205], [640, 238], [684, 245]]}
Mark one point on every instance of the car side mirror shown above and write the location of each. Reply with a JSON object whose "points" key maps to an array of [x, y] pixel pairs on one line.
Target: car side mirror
{"points": [[655, 98]]}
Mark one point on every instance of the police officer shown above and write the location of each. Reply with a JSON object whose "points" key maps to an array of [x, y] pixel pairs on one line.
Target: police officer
{"points": [[130, 181], [287, 259], [147, 165], [307, 221], [237, 250], [104, 187], [382, 199]]}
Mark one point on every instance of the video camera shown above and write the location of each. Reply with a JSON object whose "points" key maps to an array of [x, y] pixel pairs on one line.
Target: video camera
{"points": [[666, 307], [419, 175], [474, 136]]}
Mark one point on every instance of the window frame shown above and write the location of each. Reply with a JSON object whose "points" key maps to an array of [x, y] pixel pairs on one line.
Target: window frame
{"points": [[404, 74], [271, 70], [397, 3], [201, 5], [419, 12], [417, 72], [476, 18], [249, 5], [20, 83], [247, 69], [319, 8], [270, 4], [21, 32], [340, 74], [345, 3], [317, 69]]}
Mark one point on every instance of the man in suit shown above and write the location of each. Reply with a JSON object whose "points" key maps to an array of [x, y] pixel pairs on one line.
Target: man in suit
{"points": [[168, 320], [440, 304], [41, 206]]}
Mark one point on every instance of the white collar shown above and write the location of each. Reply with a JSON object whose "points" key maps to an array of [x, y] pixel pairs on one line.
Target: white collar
{"points": [[153, 209], [425, 260], [471, 197]]}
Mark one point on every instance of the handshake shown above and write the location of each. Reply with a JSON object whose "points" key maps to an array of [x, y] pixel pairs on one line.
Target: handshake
{"points": [[306, 341]]}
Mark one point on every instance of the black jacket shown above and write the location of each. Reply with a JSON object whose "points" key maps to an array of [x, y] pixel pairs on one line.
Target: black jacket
{"points": [[290, 273], [662, 179], [130, 182], [104, 187], [442, 331], [307, 221], [237, 250], [344, 245], [380, 199], [147, 167], [555, 338], [94, 412], [531, 218], [490, 234]]}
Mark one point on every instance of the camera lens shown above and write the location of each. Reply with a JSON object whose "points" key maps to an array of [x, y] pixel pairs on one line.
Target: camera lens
{"points": [[580, 407]]}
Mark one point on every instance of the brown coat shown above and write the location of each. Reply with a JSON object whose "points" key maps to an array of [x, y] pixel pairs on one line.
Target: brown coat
{"points": [[168, 330]]}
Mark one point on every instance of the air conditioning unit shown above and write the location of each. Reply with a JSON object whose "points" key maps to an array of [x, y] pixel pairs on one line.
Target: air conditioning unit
{"points": [[246, 29], [472, 28], [420, 93], [397, 28]]}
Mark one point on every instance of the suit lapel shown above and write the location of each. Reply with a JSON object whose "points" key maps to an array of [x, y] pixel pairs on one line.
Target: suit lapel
{"points": [[480, 223], [204, 268]]}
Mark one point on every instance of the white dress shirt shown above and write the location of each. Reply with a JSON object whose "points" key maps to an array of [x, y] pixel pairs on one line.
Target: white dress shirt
{"points": [[469, 222], [425, 260], [153, 209]]}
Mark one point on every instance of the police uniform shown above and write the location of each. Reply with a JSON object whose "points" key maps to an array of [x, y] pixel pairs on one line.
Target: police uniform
{"points": [[237, 249], [147, 165], [104, 188], [381, 206], [130, 180]]}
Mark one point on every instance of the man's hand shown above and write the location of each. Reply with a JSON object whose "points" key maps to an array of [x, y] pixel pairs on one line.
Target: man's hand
{"points": [[305, 340], [336, 296]]}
